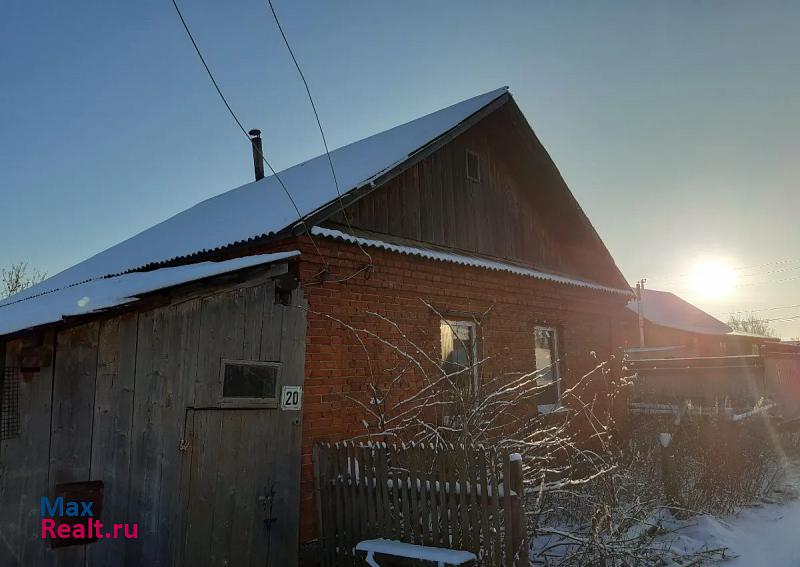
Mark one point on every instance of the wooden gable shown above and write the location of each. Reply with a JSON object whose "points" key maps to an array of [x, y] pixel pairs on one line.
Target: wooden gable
{"points": [[519, 209]]}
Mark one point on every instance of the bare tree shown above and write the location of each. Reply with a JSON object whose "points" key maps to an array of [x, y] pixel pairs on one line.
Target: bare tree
{"points": [[750, 323], [17, 277]]}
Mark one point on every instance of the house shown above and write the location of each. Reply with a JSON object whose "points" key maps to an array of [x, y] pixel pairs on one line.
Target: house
{"points": [[674, 328], [689, 355], [167, 367]]}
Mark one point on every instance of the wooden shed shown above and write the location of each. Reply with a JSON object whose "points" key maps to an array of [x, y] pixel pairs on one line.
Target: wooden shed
{"points": [[162, 407]]}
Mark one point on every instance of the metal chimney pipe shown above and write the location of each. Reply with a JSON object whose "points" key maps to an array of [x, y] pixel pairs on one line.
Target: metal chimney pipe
{"points": [[258, 155]]}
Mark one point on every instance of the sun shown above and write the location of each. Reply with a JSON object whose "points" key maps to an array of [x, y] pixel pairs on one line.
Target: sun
{"points": [[712, 279]]}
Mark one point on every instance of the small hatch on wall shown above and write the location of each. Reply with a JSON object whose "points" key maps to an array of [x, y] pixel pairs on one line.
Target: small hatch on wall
{"points": [[250, 383], [86, 500], [473, 166]]}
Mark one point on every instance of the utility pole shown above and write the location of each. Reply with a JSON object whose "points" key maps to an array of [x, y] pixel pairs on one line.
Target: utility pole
{"points": [[640, 309]]}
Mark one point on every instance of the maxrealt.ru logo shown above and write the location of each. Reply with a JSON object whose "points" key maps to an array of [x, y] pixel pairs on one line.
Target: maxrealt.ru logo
{"points": [[74, 519]]}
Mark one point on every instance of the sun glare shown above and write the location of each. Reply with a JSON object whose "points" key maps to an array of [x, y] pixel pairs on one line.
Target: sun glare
{"points": [[712, 279]]}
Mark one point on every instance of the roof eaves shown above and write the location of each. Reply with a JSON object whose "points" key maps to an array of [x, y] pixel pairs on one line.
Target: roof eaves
{"points": [[466, 260]]}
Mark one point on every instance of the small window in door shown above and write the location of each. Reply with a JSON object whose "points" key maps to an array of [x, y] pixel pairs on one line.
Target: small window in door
{"points": [[547, 368], [248, 381], [473, 166], [459, 353]]}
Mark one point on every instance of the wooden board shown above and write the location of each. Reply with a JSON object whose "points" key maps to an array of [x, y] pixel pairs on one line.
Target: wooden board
{"points": [[111, 432], [73, 417]]}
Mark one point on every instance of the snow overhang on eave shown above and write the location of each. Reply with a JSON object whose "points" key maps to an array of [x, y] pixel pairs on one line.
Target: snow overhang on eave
{"points": [[466, 260], [105, 293]]}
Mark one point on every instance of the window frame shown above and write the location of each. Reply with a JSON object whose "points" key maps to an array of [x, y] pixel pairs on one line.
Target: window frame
{"points": [[242, 402], [453, 323], [550, 408]]}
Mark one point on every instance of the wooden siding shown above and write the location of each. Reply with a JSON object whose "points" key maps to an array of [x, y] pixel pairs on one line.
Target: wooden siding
{"points": [[520, 210], [117, 405]]}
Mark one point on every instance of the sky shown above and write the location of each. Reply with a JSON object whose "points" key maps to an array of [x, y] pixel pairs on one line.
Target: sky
{"points": [[675, 124]]}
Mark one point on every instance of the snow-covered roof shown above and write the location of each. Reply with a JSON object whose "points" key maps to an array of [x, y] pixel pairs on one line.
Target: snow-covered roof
{"points": [[262, 208], [103, 293], [463, 259], [747, 335], [668, 310]]}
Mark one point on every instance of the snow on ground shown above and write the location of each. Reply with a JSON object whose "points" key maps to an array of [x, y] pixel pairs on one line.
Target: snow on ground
{"points": [[762, 535], [766, 535]]}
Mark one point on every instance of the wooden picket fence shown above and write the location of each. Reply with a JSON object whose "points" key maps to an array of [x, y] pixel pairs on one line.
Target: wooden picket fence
{"points": [[452, 497]]}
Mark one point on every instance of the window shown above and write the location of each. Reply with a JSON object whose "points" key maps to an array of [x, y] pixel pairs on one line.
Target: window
{"points": [[246, 381], [547, 365], [473, 166], [459, 352]]}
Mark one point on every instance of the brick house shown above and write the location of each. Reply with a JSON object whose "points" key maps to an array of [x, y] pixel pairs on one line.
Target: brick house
{"points": [[461, 210]]}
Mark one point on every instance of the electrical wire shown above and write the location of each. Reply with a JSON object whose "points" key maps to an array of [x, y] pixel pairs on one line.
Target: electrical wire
{"points": [[778, 319], [244, 131], [319, 125], [754, 269], [746, 311]]}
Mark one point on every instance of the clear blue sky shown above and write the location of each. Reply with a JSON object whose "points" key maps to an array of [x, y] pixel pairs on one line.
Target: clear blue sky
{"points": [[676, 124]]}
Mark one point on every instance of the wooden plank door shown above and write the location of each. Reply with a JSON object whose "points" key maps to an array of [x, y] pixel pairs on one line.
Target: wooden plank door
{"points": [[235, 476]]}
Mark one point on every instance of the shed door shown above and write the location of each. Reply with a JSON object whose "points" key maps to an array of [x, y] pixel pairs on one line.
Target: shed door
{"points": [[236, 475]]}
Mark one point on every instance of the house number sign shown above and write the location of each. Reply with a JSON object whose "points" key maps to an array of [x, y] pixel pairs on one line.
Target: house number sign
{"points": [[291, 398]]}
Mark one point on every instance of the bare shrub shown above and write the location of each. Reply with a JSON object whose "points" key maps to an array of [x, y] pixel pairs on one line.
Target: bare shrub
{"points": [[721, 464], [617, 519]]}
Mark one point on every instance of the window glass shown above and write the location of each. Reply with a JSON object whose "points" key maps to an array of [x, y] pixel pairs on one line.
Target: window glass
{"points": [[546, 352], [458, 350], [249, 380]]}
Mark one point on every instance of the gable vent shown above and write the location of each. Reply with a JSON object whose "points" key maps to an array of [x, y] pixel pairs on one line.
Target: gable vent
{"points": [[473, 166]]}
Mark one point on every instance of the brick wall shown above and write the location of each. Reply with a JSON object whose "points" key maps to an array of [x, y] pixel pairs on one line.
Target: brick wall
{"points": [[508, 305]]}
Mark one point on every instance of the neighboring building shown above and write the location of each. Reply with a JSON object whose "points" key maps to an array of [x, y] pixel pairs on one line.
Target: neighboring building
{"points": [[674, 328], [157, 366]]}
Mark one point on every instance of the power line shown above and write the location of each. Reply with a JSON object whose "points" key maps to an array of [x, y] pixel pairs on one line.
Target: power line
{"points": [[244, 131], [768, 282], [794, 264], [779, 319], [756, 273], [319, 125], [745, 311]]}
